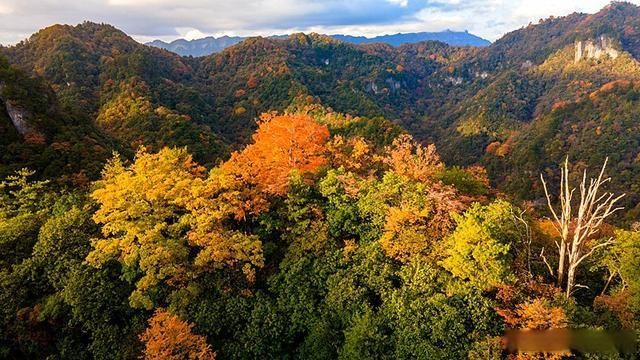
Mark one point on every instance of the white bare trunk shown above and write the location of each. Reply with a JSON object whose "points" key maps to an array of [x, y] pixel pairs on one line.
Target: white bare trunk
{"points": [[577, 229]]}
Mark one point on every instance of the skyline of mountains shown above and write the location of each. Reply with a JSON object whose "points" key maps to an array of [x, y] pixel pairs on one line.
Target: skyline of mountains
{"points": [[210, 45]]}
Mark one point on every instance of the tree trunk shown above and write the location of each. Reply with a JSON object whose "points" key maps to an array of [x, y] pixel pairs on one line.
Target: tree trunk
{"points": [[578, 228], [561, 260], [571, 275]]}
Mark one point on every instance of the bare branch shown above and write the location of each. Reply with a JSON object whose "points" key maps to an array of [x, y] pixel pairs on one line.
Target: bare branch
{"points": [[544, 259], [593, 249], [578, 286], [577, 227], [546, 192], [611, 276]]}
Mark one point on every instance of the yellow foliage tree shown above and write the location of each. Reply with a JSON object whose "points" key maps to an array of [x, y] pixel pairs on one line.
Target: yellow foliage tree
{"points": [[408, 158], [146, 211], [478, 251], [213, 201], [419, 221]]}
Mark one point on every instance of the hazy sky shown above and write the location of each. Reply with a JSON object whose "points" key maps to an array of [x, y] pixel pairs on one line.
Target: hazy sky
{"points": [[169, 19]]}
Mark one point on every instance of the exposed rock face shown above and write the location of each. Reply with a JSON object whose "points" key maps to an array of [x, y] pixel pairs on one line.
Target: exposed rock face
{"points": [[18, 118], [17, 115], [595, 49], [455, 80], [527, 65]]}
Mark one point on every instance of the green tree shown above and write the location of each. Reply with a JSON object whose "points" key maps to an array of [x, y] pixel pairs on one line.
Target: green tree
{"points": [[478, 251], [622, 260]]}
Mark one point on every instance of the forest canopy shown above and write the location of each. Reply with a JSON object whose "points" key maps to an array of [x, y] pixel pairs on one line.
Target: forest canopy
{"points": [[304, 198], [303, 244]]}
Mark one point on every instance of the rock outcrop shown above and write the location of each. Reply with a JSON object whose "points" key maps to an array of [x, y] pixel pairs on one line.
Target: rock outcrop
{"points": [[19, 117], [595, 49]]}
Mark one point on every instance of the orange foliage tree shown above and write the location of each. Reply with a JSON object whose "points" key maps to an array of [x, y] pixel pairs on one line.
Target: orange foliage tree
{"points": [[354, 154], [531, 304], [168, 337], [619, 305], [281, 145], [537, 314]]}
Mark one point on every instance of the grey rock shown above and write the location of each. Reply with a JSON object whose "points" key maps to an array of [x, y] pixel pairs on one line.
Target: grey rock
{"points": [[595, 49]]}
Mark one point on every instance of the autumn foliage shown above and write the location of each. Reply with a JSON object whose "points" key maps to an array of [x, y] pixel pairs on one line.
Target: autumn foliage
{"points": [[170, 338], [537, 314], [325, 235], [406, 157], [148, 213], [419, 221], [618, 305], [531, 305], [282, 144], [354, 154]]}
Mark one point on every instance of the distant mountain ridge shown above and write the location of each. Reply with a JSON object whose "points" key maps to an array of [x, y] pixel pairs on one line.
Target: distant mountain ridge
{"points": [[453, 38], [198, 47], [210, 45]]}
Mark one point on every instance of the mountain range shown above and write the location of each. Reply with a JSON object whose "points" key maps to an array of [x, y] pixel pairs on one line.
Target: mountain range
{"points": [[210, 45], [565, 86], [303, 197]]}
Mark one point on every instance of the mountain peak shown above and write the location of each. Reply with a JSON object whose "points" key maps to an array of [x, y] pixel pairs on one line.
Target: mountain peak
{"points": [[84, 30]]}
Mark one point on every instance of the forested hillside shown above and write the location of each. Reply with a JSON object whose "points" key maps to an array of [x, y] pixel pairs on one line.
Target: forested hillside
{"points": [[308, 198]]}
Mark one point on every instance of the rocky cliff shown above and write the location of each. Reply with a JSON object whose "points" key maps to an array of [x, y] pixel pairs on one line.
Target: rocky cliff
{"points": [[17, 115], [595, 49]]}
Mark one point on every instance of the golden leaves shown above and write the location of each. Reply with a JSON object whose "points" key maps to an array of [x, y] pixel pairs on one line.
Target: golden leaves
{"points": [[355, 154], [156, 211], [169, 337], [406, 157]]}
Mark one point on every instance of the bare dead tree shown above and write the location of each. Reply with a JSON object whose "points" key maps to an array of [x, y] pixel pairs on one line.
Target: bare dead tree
{"points": [[526, 237], [577, 229]]}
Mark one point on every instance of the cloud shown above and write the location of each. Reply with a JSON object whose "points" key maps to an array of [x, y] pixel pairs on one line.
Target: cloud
{"points": [[170, 19], [5, 9], [402, 3]]}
